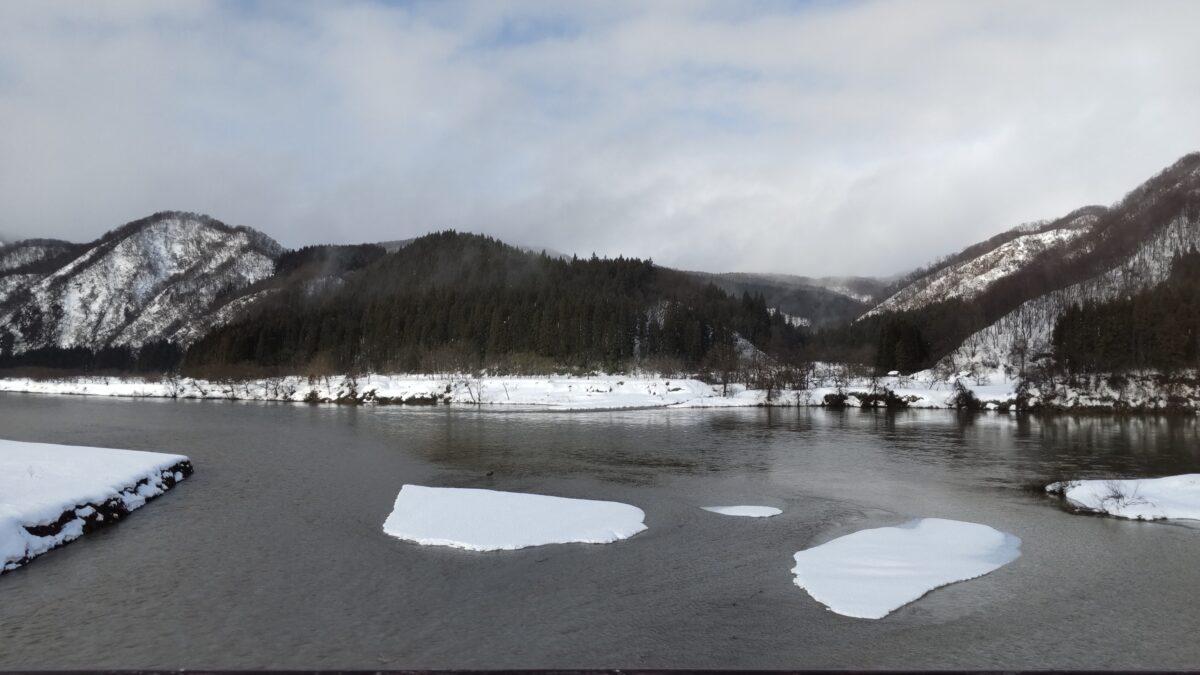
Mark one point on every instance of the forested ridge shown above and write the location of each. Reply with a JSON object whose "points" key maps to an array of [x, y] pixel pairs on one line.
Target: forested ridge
{"points": [[452, 300]]}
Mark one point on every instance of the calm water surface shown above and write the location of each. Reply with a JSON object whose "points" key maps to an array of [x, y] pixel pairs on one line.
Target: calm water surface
{"points": [[272, 554]]}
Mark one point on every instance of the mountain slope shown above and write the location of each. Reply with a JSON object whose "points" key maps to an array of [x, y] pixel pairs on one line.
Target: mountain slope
{"points": [[970, 273], [151, 279], [998, 301], [24, 262]]}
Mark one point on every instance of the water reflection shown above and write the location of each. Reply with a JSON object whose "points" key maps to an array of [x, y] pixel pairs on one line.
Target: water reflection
{"points": [[646, 446]]}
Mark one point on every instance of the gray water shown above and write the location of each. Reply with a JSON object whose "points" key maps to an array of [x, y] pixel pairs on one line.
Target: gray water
{"points": [[272, 554]]}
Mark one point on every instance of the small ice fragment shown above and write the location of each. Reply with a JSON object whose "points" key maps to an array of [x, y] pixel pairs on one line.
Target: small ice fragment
{"points": [[745, 511]]}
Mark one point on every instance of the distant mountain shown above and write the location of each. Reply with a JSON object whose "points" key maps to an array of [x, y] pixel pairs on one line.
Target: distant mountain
{"points": [[152, 279], [807, 301], [998, 301]]}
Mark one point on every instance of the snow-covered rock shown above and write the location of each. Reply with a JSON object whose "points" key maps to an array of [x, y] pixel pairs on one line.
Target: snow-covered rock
{"points": [[1172, 497], [745, 511], [490, 520], [51, 494], [871, 573]]}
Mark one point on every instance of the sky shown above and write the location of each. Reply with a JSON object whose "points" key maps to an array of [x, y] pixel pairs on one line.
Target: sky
{"points": [[814, 138]]}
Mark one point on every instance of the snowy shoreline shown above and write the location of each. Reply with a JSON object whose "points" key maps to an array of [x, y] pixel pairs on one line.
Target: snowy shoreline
{"points": [[924, 390], [53, 494], [560, 393]]}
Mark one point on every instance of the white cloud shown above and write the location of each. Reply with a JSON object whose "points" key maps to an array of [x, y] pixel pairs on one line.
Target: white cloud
{"points": [[813, 138]]}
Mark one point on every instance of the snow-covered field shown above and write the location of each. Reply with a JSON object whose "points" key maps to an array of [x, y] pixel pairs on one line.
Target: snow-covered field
{"points": [[871, 573], [51, 494], [490, 520], [1172, 497], [745, 511]]}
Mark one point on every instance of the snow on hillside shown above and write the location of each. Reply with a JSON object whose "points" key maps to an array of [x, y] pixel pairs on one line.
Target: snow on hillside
{"points": [[849, 293], [969, 279], [791, 319], [149, 282], [22, 253], [195, 329], [1032, 323], [11, 283]]}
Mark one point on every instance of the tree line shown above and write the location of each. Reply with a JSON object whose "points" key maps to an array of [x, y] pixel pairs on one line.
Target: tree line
{"points": [[1156, 328], [159, 356]]}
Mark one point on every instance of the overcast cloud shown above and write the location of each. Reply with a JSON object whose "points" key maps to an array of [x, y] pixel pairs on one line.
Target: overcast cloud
{"points": [[797, 137]]}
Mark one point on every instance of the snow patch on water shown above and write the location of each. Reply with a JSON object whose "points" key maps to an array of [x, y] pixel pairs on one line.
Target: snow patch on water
{"points": [[871, 573], [491, 520]]}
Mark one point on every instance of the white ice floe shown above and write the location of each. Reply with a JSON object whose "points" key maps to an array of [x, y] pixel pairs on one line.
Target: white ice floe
{"points": [[745, 511], [871, 573], [490, 520], [60, 486], [1173, 497]]}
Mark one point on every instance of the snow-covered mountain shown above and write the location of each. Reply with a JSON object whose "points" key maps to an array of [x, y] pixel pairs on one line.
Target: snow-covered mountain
{"points": [[1014, 286], [969, 274], [162, 277]]}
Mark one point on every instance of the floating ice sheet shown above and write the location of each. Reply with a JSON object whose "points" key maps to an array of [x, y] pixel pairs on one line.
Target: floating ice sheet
{"points": [[1172, 497], [490, 520], [871, 573]]}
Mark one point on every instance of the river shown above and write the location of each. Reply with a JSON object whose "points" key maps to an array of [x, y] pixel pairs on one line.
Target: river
{"points": [[272, 554]]}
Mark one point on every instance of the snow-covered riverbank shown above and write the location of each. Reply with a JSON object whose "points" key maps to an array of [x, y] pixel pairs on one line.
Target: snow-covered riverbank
{"points": [[52, 494], [1168, 498], [597, 392], [830, 387]]}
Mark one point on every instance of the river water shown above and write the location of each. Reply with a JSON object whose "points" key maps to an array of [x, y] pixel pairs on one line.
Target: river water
{"points": [[272, 554]]}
